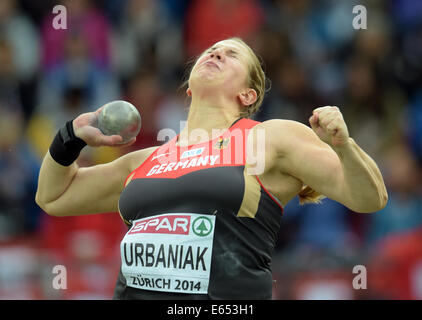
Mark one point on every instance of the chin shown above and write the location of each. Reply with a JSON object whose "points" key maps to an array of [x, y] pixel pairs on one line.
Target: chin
{"points": [[207, 80]]}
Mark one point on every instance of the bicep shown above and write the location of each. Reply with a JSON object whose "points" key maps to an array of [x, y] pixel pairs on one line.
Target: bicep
{"points": [[318, 168], [305, 157]]}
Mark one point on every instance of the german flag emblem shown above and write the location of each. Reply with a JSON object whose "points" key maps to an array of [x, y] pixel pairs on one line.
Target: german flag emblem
{"points": [[222, 143]]}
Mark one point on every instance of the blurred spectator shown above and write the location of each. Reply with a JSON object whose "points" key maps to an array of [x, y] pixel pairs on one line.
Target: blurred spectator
{"points": [[210, 21], [9, 83], [18, 177], [294, 18], [84, 19], [406, 13], [144, 93], [403, 211], [177, 9], [407, 63], [18, 165], [363, 103], [77, 74], [290, 96], [273, 47], [113, 9], [23, 38], [414, 121], [147, 37]]}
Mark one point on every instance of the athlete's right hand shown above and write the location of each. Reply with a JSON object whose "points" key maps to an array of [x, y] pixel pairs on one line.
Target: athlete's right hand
{"points": [[85, 127]]}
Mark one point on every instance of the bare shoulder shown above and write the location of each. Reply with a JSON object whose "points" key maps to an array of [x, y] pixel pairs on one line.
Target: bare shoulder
{"points": [[282, 134], [273, 139], [283, 126], [134, 159]]}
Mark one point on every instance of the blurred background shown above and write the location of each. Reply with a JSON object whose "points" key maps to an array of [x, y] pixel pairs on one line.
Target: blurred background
{"points": [[137, 50]]}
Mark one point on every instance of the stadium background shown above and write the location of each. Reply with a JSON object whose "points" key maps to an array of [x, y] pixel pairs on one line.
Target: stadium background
{"points": [[137, 50]]}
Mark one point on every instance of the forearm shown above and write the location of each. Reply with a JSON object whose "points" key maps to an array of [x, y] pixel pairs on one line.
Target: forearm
{"points": [[362, 182], [58, 168], [53, 180], [64, 188]]}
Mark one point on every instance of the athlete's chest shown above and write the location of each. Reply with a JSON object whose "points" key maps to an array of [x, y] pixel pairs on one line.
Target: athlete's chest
{"points": [[171, 161], [200, 178]]}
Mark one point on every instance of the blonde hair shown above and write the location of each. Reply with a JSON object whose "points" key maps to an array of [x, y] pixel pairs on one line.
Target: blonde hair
{"points": [[309, 195]]}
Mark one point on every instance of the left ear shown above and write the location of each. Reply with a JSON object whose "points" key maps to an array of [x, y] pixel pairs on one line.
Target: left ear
{"points": [[189, 92], [247, 96]]}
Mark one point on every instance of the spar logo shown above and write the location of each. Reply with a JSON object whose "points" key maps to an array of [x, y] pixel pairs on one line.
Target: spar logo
{"points": [[202, 226], [168, 224]]}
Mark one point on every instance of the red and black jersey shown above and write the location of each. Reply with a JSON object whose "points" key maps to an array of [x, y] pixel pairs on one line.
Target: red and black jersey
{"points": [[180, 194]]}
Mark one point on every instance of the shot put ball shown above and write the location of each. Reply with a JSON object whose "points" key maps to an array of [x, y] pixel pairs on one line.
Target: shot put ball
{"points": [[121, 118]]}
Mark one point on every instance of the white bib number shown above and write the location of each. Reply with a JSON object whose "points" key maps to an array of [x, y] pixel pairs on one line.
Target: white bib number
{"points": [[169, 252]]}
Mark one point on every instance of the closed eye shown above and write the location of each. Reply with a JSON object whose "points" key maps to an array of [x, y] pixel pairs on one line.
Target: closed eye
{"points": [[211, 49], [232, 53]]}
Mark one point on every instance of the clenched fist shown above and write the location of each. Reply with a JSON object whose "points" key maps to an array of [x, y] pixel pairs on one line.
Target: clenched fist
{"points": [[328, 123]]}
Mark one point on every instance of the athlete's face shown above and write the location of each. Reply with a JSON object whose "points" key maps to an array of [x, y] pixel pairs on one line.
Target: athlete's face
{"points": [[224, 66]]}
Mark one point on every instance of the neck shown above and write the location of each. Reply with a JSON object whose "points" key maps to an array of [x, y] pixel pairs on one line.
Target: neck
{"points": [[207, 120]]}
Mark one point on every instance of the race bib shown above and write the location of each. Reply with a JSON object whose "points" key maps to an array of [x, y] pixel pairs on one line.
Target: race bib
{"points": [[169, 252]]}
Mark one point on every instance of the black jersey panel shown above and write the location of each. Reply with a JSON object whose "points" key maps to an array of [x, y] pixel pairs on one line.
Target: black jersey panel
{"points": [[204, 191]]}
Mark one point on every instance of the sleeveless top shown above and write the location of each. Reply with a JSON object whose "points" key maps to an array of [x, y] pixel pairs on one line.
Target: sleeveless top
{"points": [[200, 226]]}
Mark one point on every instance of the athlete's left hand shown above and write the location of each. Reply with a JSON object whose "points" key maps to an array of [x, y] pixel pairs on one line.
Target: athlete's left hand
{"points": [[328, 123]]}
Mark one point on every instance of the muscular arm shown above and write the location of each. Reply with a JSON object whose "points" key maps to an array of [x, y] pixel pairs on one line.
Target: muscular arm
{"points": [[345, 174], [363, 182], [66, 191]]}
